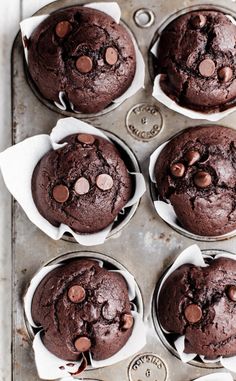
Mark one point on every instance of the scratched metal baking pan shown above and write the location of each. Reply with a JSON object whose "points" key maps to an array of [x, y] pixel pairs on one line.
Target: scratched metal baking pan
{"points": [[146, 246]]}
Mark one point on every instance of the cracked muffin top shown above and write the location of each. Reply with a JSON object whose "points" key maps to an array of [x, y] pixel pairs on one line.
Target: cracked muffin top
{"points": [[85, 54], [83, 185], [197, 53], [200, 303], [196, 173], [83, 307]]}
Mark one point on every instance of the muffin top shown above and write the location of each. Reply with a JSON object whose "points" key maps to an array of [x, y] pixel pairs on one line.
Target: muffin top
{"points": [[84, 184], [200, 303], [83, 307], [196, 172], [197, 53], [85, 54]]}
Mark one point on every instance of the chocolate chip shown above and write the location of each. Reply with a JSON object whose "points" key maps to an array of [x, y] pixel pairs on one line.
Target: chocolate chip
{"points": [[82, 344], [60, 193], [104, 181], [177, 169], [82, 186], [202, 179], [84, 64], [232, 293], [225, 74], [192, 157], [198, 21], [63, 28], [111, 56], [76, 294], [127, 321], [193, 313], [86, 139], [207, 67]]}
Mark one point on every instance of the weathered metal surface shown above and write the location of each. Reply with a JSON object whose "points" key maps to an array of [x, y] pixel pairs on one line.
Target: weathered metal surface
{"points": [[146, 245]]}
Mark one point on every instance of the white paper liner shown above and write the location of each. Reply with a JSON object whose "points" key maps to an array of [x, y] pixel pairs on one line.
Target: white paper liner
{"points": [[193, 255], [165, 210], [216, 377], [162, 97], [48, 365], [28, 25], [18, 177]]}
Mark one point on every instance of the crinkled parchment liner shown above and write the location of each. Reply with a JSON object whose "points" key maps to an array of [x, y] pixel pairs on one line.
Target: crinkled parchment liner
{"points": [[193, 255], [51, 367], [162, 97], [112, 9], [166, 211], [17, 164]]}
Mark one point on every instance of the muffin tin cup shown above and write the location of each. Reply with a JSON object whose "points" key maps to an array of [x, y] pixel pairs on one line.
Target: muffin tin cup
{"points": [[18, 179], [191, 255], [112, 9], [166, 211], [50, 366], [161, 96]]}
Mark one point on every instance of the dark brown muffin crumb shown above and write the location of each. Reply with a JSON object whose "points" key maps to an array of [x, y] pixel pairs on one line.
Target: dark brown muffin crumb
{"points": [[196, 172], [95, 322], [197, 53], [198, 302], [84, 184], [85, 54]]}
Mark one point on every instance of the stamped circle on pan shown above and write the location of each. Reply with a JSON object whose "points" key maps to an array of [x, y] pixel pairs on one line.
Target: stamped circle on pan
{"points": [[147, 367], [144, 121], [144, 18]]}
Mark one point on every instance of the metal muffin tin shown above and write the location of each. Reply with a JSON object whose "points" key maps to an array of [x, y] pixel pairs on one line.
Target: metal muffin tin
{"points": [[146, 246]]}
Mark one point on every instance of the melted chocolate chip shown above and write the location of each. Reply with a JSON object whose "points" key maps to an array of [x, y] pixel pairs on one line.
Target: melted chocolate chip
{"points": [[207, 67], [60, 193], [86, 139], [84, 64], [202, 179], [192, 157], [111, 56], [63, 28], [82, 186], [82, 344], [104, 181], [225, 74], [177, 169], [127, 321], [232, 293], [193, 313], [198, 21], [76, 294]]}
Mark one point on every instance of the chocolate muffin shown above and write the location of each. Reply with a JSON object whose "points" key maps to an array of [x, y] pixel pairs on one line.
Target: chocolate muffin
{"points": [[196, 173], [85, 54], [197, 52], [83, 307], [200, 303], [83, 185]]}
